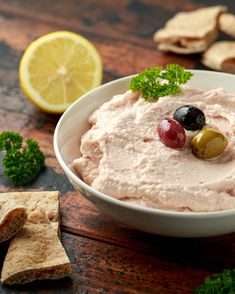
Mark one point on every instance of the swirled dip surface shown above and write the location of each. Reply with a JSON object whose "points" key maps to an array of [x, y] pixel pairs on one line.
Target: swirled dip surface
{"points": [[123, 157]]}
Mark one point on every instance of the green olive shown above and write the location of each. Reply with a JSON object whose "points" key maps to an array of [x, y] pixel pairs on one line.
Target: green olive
{"points": [[208, 143]]}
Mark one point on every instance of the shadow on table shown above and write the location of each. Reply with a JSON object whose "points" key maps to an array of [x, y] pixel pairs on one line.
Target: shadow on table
{"points": [[64, 285]]}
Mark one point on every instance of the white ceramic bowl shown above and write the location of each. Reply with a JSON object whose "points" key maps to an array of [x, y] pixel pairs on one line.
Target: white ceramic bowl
{"points": [[73, 124]]}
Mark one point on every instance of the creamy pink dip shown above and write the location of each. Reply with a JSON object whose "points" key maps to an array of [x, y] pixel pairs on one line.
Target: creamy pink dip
{"points": [[123, 157]]}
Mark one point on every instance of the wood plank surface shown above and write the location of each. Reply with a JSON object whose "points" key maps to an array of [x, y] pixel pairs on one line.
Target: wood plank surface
{"points": [[81, 217], [131, 21], [106, 256], [99, 267]]}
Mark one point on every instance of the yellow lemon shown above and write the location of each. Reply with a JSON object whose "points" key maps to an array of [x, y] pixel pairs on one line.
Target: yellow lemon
{"points": [[58, 68]]}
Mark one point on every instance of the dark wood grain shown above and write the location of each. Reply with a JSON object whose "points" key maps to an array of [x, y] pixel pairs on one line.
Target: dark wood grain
{"points": [[130, 21], [106, 256], [81, 217], [100, 267]]}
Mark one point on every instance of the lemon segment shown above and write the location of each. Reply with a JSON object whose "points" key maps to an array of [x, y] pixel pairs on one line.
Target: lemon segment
{"points": [[58, 68]]}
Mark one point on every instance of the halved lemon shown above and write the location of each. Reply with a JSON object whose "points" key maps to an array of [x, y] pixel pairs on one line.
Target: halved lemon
{"points": [[58, 68]]}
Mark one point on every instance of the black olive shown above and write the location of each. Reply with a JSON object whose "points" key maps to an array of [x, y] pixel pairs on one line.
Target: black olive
{"points": [[190, 117]]}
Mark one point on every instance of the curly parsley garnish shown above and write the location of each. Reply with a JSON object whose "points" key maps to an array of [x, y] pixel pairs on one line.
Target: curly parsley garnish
{"points": [[223, 283], [157, 82], [22, 160]]}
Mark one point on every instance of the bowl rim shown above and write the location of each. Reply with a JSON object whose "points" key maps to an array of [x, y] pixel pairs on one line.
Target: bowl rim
{"points": [[112, 200]]}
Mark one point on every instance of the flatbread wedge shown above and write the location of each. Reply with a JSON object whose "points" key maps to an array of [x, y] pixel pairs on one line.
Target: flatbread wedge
{"points": [[12, 219], [31, 200], [190, 32], [227, 23], [36, 253], [220, 56]]}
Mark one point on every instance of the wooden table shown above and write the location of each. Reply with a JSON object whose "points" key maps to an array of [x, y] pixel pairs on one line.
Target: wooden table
{"points": [[105, 257]]}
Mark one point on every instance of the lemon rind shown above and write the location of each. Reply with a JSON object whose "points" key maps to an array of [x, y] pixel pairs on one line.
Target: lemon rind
{"points": [[24, 75]]}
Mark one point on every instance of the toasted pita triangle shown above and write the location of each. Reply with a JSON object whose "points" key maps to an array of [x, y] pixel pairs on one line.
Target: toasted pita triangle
{"points": [[227, 23], [190, 32], [36, 253], [12, 218], [220, 56]]}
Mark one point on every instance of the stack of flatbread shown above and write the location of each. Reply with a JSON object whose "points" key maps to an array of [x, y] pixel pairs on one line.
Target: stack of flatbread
{"points": [[221, 55], [35, 252], [195, 31]]}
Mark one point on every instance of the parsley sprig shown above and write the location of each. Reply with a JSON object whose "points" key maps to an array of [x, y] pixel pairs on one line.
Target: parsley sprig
{"points": [[220, 283], [158, 82], [22, 160]]}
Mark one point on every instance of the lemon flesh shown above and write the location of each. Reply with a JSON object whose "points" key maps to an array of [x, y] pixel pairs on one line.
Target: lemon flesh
{"points": [[58, 68]]}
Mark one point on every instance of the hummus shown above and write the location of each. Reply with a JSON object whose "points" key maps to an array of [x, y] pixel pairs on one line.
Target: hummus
{"points": [[123, 157]]}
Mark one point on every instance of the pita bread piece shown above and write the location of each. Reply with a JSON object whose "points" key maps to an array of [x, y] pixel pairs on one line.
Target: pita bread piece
{"points": [[188, 46], [190, 32], [49, 200], [36, 252], [220, 56], [227, 23], [12, 219]]}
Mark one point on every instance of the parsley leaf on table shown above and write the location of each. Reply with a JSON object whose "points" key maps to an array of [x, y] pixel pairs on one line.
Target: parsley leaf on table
{"points": [[22, 160], [221, 283]]}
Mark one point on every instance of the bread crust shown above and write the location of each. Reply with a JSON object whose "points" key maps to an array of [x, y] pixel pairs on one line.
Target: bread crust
{"points": [[12, 219], [36, 252], [190, 32]]}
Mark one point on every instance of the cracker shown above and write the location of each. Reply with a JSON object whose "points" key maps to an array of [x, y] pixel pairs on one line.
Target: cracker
{"points": [[12, 219], [227, 23], [36, 253], [220, 56], [190, 32]]}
